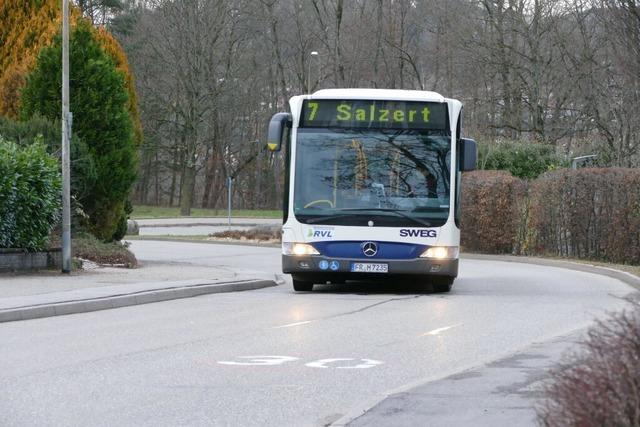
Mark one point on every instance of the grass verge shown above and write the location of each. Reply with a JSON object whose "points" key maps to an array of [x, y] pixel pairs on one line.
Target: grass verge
{"points": [[148, 212]]}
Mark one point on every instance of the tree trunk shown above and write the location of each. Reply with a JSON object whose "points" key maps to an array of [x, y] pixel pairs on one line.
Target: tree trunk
{"points": [[186, 190]]}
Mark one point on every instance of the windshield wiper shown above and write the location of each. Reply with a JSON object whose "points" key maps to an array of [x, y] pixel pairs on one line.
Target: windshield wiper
{"points": [[395, 211]]}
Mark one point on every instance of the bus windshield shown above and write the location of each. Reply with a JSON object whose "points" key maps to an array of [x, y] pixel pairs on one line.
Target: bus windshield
{"points": [[391, 177]]}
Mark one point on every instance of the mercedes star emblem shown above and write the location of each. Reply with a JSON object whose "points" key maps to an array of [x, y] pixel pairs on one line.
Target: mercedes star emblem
{"points": [[369, 249]]}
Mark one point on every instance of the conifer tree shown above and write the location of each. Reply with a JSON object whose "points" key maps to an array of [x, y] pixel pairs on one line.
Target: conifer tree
{"points": [[101, 118]]}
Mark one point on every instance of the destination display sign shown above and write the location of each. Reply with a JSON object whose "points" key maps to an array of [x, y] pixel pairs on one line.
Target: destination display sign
{"points": [[374, 114]]}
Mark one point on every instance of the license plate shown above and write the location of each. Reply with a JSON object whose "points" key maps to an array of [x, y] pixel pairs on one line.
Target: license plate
{"points": [[361, 267]]}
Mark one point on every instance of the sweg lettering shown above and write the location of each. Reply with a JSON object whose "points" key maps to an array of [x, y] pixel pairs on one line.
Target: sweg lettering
{"points": [[407, 232]]}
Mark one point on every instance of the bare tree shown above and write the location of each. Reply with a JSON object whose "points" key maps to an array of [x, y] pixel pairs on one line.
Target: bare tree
{"points": [[211, 72]]}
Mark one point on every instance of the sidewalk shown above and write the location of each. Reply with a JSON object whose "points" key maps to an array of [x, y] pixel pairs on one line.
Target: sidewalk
{"points": [[501, 393], [47, 294]]}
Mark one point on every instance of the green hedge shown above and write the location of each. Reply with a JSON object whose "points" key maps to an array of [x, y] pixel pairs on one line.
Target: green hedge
{"points": [[30, 195]]}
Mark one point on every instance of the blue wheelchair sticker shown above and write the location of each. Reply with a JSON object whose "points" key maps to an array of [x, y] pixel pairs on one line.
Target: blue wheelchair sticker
{"points": [[324, 264]]}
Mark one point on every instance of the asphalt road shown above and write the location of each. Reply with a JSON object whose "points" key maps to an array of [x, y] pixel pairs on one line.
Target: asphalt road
{"points": [[274, 357]]}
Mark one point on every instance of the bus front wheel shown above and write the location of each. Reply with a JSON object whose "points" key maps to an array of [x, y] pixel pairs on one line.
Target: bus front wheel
{"points": [[302, 286], [442, 284]]}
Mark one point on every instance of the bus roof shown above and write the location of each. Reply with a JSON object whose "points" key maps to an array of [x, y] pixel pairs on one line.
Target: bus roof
{"points": [[379, 94]]}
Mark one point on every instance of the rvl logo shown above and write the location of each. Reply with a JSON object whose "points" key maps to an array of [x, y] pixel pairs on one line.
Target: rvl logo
{"points": [[321, 233]]}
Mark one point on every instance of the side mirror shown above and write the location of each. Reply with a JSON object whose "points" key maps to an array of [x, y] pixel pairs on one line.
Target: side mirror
{"points": [[276, 130], [468, 155]]}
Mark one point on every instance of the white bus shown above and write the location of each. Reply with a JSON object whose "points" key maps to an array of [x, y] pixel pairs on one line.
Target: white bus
{"points": [[372, 186]]}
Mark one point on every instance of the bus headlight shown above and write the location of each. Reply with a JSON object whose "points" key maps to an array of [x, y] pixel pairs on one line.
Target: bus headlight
{"points": [[441, 252], [298, 249]]}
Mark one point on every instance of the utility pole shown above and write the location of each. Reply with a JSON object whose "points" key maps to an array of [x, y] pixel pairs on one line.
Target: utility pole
{"points": [[66, 134]]}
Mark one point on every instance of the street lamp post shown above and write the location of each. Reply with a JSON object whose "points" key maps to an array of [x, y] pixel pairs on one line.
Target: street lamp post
{"points": [[314, 53], [66, 134]]}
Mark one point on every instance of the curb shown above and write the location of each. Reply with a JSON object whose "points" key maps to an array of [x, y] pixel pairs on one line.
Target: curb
{"points": [[627, 278], [128, 299]]}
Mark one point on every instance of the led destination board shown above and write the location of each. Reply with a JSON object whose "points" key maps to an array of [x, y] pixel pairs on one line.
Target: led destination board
{"points": [[374, 114]]}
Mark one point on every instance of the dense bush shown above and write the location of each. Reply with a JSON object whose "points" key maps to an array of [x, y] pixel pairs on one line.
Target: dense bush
{"points": [[491, 214], [30, 190], [101, 118], [83, 171], [587, 213], [521, 159], [599, 386]]}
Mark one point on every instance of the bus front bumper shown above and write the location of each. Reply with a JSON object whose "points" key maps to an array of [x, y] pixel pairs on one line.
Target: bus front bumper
{"points": [[310, 266]]}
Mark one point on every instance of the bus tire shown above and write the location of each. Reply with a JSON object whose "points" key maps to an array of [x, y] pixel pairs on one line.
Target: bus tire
{"points": [[442, 284], [302, 286]]}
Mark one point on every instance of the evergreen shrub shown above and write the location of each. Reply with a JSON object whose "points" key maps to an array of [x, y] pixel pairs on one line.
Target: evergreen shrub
{"points": [[101, 118], [30, 195], [522, 159], [83, 171]]}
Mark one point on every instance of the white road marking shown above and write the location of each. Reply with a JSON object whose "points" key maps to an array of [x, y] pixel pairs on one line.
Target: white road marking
{"points": [[437, 331], [368, 363], [322, 363], [261, 360], [293, 324]]}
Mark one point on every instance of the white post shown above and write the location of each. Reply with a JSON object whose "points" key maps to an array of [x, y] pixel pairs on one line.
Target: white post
{"points": [[66, 132], [314, 53], [229, 181]]}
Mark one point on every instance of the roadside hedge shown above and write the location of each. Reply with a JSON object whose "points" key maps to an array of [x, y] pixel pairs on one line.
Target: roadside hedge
{"points": [[30, 189], [586, 213], [491, 211]]}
